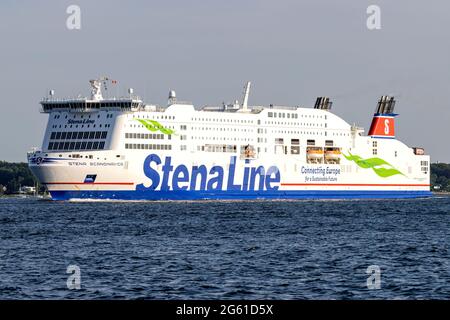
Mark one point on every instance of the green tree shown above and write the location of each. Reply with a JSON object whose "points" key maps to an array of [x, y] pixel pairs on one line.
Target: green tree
{"points": [[14, 175], [440, 176]]}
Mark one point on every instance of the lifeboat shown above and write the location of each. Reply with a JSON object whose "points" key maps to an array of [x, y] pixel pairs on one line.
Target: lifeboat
{"points": [[333, 154], [316, 153]]}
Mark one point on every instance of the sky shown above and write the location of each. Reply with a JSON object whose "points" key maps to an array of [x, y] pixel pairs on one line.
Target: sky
{"points": [[291, 50]]}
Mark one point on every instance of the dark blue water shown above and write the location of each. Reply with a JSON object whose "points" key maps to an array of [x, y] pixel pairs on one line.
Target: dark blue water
{"points": [[225, 250]]}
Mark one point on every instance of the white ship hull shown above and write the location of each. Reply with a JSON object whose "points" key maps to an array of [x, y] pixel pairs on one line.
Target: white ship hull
{"points": [[139, 179]]}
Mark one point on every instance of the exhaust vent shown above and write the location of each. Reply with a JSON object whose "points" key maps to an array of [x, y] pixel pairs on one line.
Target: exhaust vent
{"points": [[383, 122], [385, 105], [323, 103]]}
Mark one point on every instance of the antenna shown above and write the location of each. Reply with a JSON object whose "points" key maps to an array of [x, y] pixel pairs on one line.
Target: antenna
{"points": [[172, 97], [96, 85], [246, 93]]}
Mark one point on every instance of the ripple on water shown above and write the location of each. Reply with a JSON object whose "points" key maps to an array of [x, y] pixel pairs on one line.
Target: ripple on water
{"points": [[225, 249]]}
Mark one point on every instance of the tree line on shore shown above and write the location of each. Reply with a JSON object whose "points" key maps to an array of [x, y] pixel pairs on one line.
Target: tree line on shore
{"points": [[440, 177], [13, 176]]}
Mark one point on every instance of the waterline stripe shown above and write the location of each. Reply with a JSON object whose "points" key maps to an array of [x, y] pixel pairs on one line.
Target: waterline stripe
{"points": [[282, 184], [354, 184], [90, 183], [238, 195]]}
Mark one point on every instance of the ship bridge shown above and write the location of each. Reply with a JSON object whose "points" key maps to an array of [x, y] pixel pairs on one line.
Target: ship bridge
{"points": [[95, 103]]}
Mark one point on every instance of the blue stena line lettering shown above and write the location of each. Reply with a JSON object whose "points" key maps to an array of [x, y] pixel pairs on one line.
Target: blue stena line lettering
{"points": [[200, 178]]}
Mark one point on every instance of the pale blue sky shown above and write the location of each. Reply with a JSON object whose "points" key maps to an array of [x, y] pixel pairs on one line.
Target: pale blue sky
{"points": [[292, 51]]}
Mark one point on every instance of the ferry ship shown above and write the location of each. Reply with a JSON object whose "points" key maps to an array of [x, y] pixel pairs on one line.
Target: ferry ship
{"points": [[125, 149]]}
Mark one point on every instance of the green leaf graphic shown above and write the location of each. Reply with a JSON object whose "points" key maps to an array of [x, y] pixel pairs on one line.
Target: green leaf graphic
{"points": [[385, 173], [374, 164], [161, 128], [154, 126]]}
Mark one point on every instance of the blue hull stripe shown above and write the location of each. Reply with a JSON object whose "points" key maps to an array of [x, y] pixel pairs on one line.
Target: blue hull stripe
{"points": [[230, 195]]}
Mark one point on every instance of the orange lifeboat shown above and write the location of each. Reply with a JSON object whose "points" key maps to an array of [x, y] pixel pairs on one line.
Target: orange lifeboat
{"points": [[333, 154], [314, 153]]}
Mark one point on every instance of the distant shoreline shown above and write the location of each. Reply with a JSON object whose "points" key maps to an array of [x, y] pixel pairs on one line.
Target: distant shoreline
{"points": [[437, 193], [41, 196]]}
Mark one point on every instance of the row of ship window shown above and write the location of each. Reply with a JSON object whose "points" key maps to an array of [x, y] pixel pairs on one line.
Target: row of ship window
{"points": [[222, 120], [81, 125], [218, 148], [292, 115], [297, 124], [282, 115], [157, 118], [146, 136], [315, 133], [78, 145], [144, 146], [217, 138], [81, 135], [58, 116], [90, 105], [219, 129], [141, 126], [309, 142], [270, 115]]}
